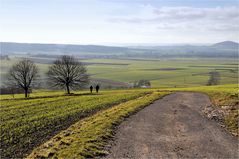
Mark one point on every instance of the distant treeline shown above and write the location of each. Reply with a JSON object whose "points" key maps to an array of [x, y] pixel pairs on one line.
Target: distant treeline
{"points": [[4, 57]]}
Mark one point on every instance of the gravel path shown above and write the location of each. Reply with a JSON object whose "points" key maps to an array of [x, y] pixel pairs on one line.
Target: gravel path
{"points": [[173, 127]]}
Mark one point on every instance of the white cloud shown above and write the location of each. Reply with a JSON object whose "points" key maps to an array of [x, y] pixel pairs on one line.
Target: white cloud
{"points": [[183, 18]]}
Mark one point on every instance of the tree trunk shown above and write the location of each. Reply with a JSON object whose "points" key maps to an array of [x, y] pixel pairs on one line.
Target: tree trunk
{"points": [[26, 92], [68, 89]]}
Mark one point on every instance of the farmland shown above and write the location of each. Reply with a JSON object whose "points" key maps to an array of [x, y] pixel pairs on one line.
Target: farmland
{"points": [[40, 123], [88, 137], [26, 123], [119, 79], [55, 121], [172, 72], [166, 72]]}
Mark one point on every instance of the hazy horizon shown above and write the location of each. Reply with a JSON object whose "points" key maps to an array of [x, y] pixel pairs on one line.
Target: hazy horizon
{"points": [[123, 44]]}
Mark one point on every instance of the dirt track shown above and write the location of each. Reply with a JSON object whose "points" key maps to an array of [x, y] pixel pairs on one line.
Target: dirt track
{"points": [[173, 127]]}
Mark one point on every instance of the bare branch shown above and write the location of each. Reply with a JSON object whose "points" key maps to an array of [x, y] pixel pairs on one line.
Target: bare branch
{"points": [[22, 74], [67, 72]]}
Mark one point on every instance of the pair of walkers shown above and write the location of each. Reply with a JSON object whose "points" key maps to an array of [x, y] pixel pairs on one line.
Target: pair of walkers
{"points": [[96, 88]]}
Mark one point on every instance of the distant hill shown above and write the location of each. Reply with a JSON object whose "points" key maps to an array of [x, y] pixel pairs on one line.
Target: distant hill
{"points": [[32, 48], [226, 45], [222, 49]]}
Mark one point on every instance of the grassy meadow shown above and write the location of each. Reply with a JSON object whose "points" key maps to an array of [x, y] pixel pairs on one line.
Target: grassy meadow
{"points": [[178, 72], [165, 72]]}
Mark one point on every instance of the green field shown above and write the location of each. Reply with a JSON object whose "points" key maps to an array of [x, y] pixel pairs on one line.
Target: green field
{"points": [[178, 72], [27, 123], [86, 138], [166, 72]]}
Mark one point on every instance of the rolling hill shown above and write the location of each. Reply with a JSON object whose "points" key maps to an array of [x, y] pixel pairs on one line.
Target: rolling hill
{"points": [[222, 49], [226, 45]]}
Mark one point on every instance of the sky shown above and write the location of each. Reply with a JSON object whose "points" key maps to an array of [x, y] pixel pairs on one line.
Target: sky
{"points": [[119, 21]]}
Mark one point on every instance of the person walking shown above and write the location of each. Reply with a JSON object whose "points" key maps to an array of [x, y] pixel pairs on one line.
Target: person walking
{"points": [[91, 89], [97, 88]]}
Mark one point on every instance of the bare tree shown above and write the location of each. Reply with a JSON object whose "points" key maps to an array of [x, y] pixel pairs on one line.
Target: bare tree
{"points": [[22, 75], [214, 78], [67, 72]]}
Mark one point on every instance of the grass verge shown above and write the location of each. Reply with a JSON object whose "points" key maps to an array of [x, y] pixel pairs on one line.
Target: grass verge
{"points": [[86, 138], [224, 100]]}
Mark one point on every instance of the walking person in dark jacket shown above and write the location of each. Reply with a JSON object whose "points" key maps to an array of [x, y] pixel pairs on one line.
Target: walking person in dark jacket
{"points": [[91, 89], [97, 88]]}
